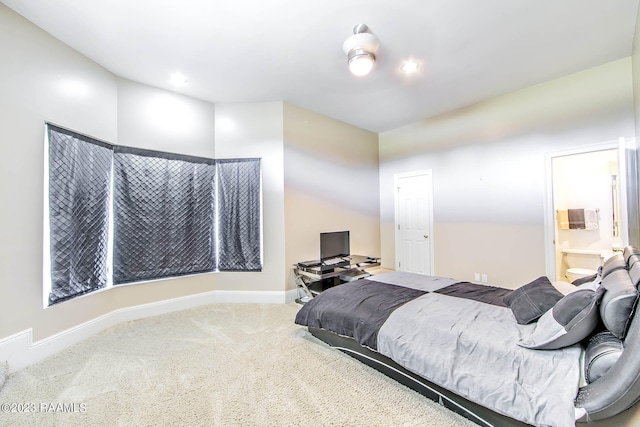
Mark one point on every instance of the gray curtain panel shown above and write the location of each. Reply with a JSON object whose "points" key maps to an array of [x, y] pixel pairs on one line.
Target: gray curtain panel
{"points": [[79, 192], [163, 215], [172, 214], [239, 223]]}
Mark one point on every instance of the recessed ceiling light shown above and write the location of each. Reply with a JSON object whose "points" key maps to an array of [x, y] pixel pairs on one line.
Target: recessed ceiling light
{"points": [[178, 79], [409, 66]]}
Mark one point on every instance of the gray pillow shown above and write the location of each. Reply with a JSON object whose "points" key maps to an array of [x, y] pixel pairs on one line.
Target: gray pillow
{"points": [[532, 300], [586, 279], [571, 320], [590, 285]]}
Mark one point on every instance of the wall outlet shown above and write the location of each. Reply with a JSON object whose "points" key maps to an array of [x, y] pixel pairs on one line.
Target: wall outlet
{"points": [[477, 276], [484, 278]]}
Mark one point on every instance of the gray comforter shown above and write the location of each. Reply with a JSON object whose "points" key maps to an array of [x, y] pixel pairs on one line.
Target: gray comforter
{"points": [[467, 346]]}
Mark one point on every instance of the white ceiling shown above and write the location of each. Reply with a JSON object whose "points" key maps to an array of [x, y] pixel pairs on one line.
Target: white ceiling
{"points": [[291, 50]]}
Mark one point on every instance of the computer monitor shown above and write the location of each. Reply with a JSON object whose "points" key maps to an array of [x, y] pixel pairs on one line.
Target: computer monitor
{"points": [[334, 245]]}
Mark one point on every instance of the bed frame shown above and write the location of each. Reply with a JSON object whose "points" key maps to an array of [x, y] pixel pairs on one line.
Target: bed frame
{"points": [[602, 403]]}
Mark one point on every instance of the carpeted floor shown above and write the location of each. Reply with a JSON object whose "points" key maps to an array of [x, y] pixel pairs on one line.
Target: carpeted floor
{"points": [[218, 365]]}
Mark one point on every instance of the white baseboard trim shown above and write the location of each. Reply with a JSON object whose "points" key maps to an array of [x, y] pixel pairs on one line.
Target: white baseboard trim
{"points": [[291, 295], [21, 351]]}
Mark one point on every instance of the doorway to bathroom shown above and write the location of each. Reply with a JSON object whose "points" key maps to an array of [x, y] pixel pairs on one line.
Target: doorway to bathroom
{"points": [[586, 207]]}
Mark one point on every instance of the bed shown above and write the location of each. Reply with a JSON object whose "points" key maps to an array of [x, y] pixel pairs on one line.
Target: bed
{"points": [[544, 354]]}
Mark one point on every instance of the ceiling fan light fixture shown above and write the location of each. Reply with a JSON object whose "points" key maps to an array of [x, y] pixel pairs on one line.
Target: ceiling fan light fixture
{"points": [[361, 50]]}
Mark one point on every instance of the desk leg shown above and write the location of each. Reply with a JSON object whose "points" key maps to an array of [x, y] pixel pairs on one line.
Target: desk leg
{"points": [[300, 283]]}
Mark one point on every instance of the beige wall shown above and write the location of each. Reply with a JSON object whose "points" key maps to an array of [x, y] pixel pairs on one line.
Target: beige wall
{"points": [[156, 119], [160, 120], [42, 80], [256, 130], [45, 80], [488, 163], [331, 184]]}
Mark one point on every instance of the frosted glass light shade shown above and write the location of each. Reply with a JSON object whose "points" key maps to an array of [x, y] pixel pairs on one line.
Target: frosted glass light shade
{"points": [[361, 64]]}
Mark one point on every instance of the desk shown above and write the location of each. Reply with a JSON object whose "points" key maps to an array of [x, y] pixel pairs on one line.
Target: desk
{"points": [[317, 278]]}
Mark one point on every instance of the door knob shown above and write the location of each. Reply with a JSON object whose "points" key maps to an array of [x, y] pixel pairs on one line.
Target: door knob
{"points": [[426, 236]]}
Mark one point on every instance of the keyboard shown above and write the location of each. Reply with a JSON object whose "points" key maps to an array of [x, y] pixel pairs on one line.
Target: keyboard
{"points": [[333, 261]]}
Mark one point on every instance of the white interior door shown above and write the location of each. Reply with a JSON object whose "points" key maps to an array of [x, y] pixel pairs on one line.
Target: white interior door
{"points": [[414, 225]]}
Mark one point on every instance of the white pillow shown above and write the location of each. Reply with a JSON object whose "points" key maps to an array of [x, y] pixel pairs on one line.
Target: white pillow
{"points": [[564, 288]]}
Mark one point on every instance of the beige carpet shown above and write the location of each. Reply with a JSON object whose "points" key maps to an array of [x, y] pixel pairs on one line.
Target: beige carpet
{"points": [[219, 365]]}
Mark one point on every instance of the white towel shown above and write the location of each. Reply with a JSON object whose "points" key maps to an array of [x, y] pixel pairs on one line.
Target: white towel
{"points": [[591, 219]]}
